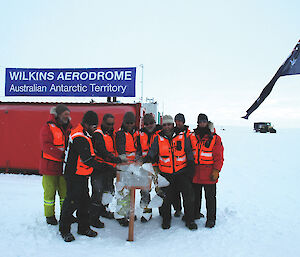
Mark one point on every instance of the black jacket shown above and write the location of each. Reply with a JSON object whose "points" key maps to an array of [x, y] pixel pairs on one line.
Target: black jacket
{"points": [[100, 148], [121, 140], [80, 147], [184, 129]]}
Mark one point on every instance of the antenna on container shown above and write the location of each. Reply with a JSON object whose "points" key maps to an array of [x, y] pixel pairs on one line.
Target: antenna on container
{"points": [[142, 83]]}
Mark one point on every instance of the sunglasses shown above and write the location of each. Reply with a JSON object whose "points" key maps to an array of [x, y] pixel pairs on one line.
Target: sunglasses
{"points": [[150, 123], [129, 123], [202, 121], [167, 124]]}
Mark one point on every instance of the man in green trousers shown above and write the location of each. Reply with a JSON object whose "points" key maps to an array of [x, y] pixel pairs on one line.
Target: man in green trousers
{"points": [[53, 138]]}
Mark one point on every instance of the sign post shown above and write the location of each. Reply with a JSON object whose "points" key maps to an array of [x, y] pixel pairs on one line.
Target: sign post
{"points": [[133, 177], [131, 215]]}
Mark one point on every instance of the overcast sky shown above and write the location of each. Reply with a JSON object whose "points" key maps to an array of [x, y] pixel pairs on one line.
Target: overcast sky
{"points": [[213, 57]]}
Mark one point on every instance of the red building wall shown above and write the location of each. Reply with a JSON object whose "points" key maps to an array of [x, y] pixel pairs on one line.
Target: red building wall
{"points": [[20, 125]]}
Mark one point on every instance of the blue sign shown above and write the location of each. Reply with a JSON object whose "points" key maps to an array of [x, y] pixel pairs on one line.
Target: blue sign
{"points": [[100, 82]]}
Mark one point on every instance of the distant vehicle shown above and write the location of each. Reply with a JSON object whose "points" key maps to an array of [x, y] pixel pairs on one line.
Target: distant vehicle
{"points": [[264, 127]]}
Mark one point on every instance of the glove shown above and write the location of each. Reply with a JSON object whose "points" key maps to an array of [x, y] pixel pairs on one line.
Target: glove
{"points": [[191, 166], [160, 192], [146, 159], [190, 173], [214, 175], [63, 152], [123, 158], [117, 160], [109, 170]]}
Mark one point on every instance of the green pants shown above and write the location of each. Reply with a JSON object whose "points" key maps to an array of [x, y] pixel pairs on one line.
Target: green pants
{"points": [[51, 184]]}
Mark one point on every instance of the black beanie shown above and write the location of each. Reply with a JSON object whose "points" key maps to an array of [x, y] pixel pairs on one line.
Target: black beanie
{"points": [[202, 117], [60, 108], [129, 117], [148, 118], [90, 118], [179, 117]]}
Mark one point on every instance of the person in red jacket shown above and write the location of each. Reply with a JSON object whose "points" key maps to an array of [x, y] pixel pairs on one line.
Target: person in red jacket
{"points": [[208, 154], [53, 137]]}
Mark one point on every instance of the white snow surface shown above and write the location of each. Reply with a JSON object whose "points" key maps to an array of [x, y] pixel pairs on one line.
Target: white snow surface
{"points": [[257, 210]]}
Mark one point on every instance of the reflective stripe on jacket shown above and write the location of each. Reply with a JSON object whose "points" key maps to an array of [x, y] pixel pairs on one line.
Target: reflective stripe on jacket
{"points": [[172, 158], [58, 141], [145, 144], [109, 145], [202, 149], [130, 148], [81, 168], [188, 133]]}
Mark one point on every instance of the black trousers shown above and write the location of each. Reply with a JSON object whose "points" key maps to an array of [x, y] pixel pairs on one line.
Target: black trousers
{"points": [[77, 199], [210, 198], [182, 183], [176, 202], [145, 198], [102, 182]]}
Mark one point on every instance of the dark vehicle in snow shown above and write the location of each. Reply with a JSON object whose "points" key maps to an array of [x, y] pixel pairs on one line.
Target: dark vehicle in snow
{"points": [[264, 127]]}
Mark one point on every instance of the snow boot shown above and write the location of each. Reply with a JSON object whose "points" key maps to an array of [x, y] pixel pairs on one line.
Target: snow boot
{"points": [[97, 223], [210, 223], [123, 222], [89, 232], [166, 224], [144, 219], [51, 220], [67, 237], [191, 225], [108, 215], [177, 214], [199, 216], [147, 215]]}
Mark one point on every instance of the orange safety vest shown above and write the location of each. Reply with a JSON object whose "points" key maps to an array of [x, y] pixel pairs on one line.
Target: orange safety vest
{"points": [[58, 141], [109, 145], [130, 148], [188, 133], [145, 146], [81, 168], [171, 159], [202, 154], [144, 142]]}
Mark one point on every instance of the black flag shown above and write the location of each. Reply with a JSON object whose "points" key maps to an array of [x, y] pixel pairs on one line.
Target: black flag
{"points": [[290, 67]]}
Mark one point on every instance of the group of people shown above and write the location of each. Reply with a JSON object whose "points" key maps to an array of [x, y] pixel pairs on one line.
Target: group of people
{"points": [[188, 160]]}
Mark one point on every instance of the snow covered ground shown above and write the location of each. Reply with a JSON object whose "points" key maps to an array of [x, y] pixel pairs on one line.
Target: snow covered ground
{"points": [[257, 215]]}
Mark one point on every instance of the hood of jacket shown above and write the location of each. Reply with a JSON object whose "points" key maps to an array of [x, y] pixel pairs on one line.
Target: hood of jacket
{"points": [[52, 119], [184, 129]]}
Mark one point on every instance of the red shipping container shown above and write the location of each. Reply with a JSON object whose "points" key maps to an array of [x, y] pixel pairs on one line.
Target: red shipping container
{"points": [[20, 125]]}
